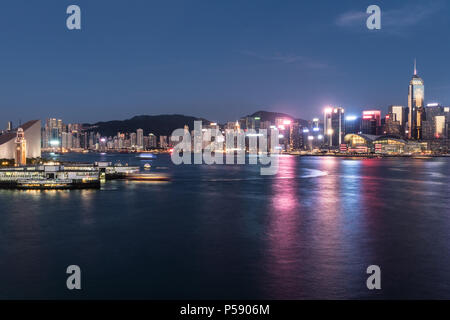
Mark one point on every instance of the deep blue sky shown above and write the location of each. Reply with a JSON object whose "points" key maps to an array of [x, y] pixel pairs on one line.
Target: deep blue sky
{"points": [[217, 59]]}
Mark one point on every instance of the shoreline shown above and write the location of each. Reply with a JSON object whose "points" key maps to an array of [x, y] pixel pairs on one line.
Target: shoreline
{"points": [[371, 156], [296, 153]]}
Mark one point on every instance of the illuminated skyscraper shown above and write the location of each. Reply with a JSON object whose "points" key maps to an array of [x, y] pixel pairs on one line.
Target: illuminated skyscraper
{"points": [[140, 138], [313, 134], [315, 124], [399, 112], [435, 125], [52, 133], [295, 138], [371, 122], [334, 126], [392, 125], [133, 139], [416, 113], [352, 124], [152, 141]]}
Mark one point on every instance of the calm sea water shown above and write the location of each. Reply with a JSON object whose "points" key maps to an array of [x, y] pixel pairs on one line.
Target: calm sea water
{"points": [[225, 232]]}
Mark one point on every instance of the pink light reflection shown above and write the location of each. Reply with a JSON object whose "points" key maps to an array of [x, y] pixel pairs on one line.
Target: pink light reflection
{"points": [[283, 227]]}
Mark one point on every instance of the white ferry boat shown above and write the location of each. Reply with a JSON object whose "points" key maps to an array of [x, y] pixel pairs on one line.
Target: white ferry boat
{"points": [[49, 177]]}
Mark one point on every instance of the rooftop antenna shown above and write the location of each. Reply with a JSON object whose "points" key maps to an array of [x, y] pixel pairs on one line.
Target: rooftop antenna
{"points": [[415, 67]]}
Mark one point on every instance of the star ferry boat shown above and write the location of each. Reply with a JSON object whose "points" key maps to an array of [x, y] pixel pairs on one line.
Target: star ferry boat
{"points": [[48, 177], [70, 176]]}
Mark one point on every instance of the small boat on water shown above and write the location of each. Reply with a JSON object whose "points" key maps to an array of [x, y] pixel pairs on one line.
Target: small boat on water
{"points": [[147, 177], [144, 156], [147, 166]]}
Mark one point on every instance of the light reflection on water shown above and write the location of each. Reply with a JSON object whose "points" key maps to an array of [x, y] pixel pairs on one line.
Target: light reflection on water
{"points": [[282, 236], [227, 232]]}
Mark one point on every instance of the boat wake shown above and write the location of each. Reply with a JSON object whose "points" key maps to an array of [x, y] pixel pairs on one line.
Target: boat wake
{"points": [[314, 173], [311, 173]]}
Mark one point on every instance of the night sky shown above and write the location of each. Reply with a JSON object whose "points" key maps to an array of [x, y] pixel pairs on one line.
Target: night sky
{"points": [[218, 59]]}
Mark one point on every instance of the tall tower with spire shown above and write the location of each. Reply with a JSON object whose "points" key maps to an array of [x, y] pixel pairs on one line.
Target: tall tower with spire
{"points": [[416, 95], [20, 155]]}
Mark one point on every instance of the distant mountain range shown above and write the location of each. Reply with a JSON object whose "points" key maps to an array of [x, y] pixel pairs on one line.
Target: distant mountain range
{"points": [[158, 125], [165, 124]]}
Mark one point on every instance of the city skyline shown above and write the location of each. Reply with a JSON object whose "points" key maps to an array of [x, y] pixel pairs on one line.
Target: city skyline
{"points": [[275, 64], [417, 121], [385, 109], [413, 114]]}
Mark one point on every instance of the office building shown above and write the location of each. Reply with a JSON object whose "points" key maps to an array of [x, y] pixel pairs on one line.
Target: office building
{"points": [[163, 143], [400, 115], [334, 126], [152, 141], [416, 114], [391, 125], [352, 124], [140, 139], [436, 124], [371, 122], [295, 137]]}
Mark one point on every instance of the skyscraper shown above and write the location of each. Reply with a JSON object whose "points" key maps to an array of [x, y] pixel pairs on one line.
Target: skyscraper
{"points": [[391, 125], [334, 126], [52, 132], [416, 113], [352, 124], [140, 139], [435, 125], [133, 139], [399, 112], [371, 122], [152, 141], [295, 138], [163, 142]]}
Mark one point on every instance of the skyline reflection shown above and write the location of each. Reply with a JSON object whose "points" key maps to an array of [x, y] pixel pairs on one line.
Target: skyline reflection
{"points": [[309, 232]]}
